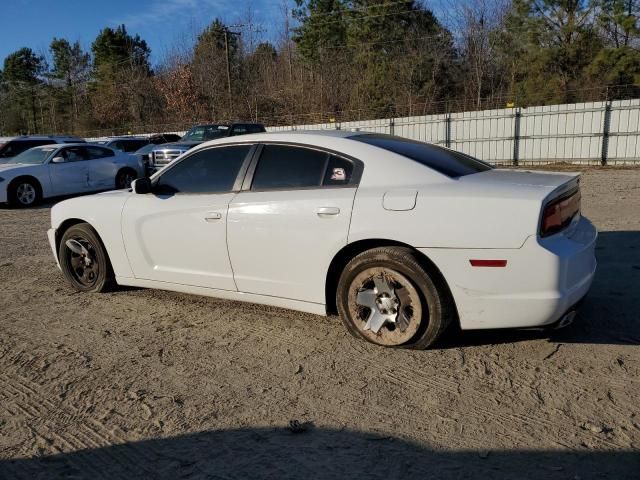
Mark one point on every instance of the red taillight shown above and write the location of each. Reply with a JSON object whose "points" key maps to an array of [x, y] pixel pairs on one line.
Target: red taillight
{"points": [[558, 214], [488, 263]]}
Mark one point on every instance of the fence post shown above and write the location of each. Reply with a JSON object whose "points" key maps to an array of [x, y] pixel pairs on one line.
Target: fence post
{"points": [[516, 136], [447, 131], [605, 132]]}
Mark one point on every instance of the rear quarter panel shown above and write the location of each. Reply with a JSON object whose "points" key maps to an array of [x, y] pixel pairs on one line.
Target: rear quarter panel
{"points": [[446, 215]]}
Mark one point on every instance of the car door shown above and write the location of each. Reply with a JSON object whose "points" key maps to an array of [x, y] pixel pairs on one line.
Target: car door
{"points": [[178, 234], [71, 175], [102, 167], [286, 226]]}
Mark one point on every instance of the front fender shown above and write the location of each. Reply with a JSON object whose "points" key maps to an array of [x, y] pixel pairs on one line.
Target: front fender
{"points": [[103, 212]]}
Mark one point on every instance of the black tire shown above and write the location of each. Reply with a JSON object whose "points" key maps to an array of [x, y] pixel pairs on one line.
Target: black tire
{"points": [[124, 178], [95, 276], [435, 312], [24, 193]]}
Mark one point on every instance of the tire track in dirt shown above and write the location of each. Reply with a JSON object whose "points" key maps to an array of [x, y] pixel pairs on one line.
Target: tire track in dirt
{"points": [[415, 379], [510, 421], [48, 419], [56, 423]]}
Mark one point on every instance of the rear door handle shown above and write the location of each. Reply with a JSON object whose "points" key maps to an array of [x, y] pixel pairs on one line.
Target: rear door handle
{"points": [[213, 216], [327, 211]]}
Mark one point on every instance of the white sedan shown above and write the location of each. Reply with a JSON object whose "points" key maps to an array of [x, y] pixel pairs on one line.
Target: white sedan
{"points": [[53, 170], [399, 237]]}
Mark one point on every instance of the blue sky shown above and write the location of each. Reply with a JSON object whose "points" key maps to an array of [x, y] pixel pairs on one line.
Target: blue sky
{"points": [[162, 23]]}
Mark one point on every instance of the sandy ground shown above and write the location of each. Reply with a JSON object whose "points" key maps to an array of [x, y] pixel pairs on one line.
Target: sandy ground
{"points": [[149, 384]]}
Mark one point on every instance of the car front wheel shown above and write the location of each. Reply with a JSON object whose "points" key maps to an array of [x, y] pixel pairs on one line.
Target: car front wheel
{"points": [[386, 297], [83, 259], [24, 193], [124, 178]]}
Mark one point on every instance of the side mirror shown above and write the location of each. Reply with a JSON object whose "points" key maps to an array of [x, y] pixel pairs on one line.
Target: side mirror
{"points": [[57, 160], [141, 185]]}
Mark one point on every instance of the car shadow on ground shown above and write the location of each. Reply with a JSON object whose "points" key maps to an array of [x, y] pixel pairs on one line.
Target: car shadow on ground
{"points": [[609, 314], [253, 453]]}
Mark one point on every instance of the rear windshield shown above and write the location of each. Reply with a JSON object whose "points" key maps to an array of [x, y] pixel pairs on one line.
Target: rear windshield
{"points": [[448, 162], [15, 147]]}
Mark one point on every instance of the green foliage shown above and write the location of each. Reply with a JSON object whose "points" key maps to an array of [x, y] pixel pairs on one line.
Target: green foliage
{"points": [[116, 48], [399, 49], [23, 66], [119, 59], [212, 39], [21, 76], [71, 68], [616, 66], [70, 62], [323, 25]]}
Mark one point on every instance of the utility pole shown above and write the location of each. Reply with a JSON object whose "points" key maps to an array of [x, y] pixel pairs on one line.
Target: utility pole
{"points": [[228, 32]]}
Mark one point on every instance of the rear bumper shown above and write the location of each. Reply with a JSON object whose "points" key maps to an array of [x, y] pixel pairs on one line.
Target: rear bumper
{"points": [[541, 281]]}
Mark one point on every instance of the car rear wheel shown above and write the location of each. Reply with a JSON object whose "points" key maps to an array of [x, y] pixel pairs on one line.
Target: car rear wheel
{"points": [[83, 259], [386, 297], [124, 178], [24, 193]]}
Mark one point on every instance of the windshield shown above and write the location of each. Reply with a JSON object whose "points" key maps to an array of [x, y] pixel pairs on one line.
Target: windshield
{"points": [[448, 162], [34, 156], [201, 133]]}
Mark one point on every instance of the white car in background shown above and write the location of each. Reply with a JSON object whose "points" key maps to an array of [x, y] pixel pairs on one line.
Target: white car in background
{"points": [[53, 170], [399, 237]]}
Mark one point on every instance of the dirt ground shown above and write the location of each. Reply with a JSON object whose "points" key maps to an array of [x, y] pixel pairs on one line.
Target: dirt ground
{"points": [[149, 384]]}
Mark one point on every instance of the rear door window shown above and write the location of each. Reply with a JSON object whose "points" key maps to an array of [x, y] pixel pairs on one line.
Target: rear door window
{"points": [[93, 153], [284, 166], [339, 171], [74, 154]]}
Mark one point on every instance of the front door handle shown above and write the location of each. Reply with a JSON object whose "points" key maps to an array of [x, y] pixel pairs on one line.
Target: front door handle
{"points": [[327, 211], [213, 216]]}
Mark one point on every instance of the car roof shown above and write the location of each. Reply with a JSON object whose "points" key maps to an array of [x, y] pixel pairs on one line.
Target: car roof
{"points": [[226, 124], [301, 135], [324, 133], [61, 145], [47, 137], [108, 139]]}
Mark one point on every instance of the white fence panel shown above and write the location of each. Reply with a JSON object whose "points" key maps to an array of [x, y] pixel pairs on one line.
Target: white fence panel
{"points": [[576, 133]]}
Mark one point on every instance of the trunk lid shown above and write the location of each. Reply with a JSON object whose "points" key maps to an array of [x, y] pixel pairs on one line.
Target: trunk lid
{"points": [[543, 186], [525, 180]]}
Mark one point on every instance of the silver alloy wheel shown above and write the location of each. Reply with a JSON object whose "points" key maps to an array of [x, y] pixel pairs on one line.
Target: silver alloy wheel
{"points": [[26, 194], [385, 306]]}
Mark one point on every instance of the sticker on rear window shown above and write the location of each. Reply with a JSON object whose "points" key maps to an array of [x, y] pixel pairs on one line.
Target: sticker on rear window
{"points": [[338, 174]]}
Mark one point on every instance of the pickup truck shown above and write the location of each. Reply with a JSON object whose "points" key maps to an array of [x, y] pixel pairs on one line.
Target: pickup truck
{"points": [[162, 155]]}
